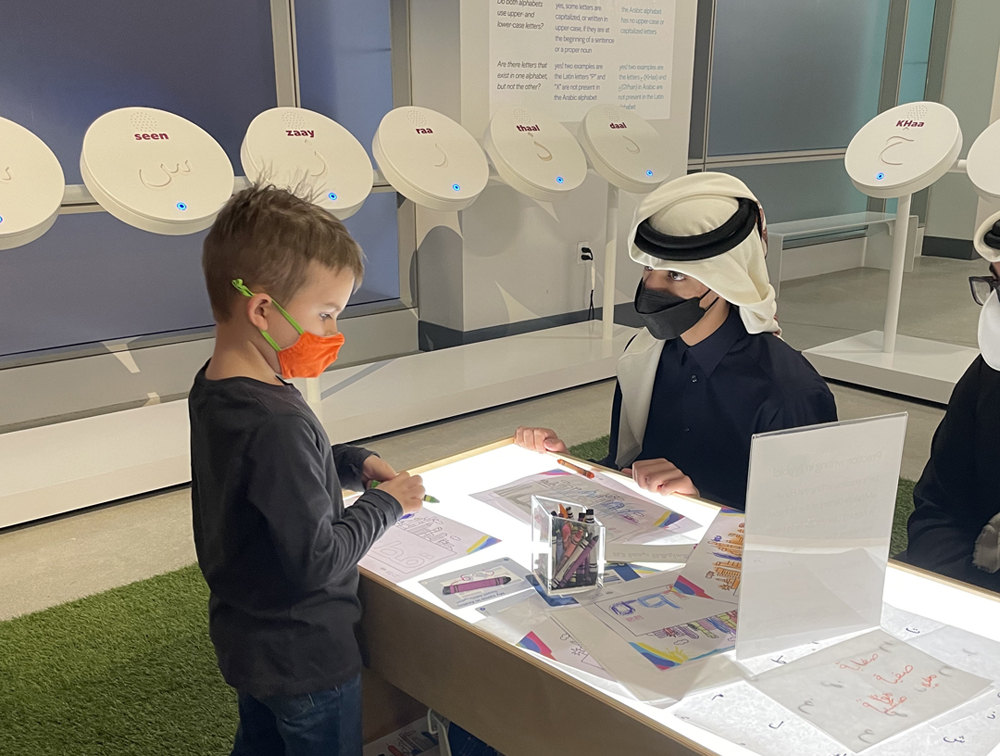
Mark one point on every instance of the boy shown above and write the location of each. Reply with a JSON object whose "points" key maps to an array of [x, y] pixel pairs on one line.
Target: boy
{"points": [[708, 371], [276, 545]]}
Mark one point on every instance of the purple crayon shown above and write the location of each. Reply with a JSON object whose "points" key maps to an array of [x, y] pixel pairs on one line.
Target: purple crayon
{"points": [[475, 585]]}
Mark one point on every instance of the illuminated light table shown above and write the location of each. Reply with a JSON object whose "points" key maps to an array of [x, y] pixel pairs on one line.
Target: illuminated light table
{"points": [[525, 705]]}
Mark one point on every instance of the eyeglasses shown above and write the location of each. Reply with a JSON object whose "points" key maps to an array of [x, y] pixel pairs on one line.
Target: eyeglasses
{"points": [[982, 287]]}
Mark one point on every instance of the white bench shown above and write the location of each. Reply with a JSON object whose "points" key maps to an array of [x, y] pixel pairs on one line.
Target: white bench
{"points": [[875, 252]]}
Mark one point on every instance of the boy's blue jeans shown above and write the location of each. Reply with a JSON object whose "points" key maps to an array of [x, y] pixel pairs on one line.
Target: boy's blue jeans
{"points": [[316, 724]]}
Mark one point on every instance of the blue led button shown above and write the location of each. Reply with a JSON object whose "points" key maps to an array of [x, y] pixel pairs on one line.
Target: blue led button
{"points": [[560, 180], [880, 176], [181, 206], [332, 196], [456, 187], [649, 173]]}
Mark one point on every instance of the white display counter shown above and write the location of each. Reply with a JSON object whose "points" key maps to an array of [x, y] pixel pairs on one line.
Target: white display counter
{"points": [[523, 704]]}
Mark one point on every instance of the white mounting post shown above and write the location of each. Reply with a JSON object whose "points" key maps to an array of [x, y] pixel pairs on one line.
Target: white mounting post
{"points": [[610, 263], [899, 242], [896, 274]]}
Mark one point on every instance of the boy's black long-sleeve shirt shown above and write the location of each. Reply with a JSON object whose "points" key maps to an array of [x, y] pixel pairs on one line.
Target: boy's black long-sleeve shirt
{"points": [[278, 549], [957, 493]]}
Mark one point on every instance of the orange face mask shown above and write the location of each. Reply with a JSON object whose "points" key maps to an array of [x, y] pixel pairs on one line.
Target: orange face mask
{"points": [[310, 355]]}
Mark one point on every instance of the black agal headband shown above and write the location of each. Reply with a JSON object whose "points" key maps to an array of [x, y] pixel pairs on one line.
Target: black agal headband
{"points": [[717, 242], [992, 238]]}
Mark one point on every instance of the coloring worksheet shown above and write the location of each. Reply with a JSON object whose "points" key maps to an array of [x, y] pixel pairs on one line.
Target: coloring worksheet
{"points": [[714, 569], [416, 544], [479, 584], [553, 641], [622, 514], [672, 646], [651, 605], [665, 627], [869, 688]]}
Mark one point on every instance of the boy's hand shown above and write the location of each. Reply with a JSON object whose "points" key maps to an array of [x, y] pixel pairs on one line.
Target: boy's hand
{"points": [[539, 440], [376, 469], [661, 476], [408, 490]]}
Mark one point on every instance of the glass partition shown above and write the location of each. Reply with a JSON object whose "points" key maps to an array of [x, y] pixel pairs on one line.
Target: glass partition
{"points": [[93, 279], [345, 73], [762, 103], [794, 191]]}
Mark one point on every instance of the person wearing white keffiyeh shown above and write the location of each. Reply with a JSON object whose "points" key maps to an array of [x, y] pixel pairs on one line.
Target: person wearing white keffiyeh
{"points": [[709, 371]]}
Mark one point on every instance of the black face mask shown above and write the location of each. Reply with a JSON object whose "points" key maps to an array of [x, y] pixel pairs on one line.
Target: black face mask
{"points": [[667, 316]]}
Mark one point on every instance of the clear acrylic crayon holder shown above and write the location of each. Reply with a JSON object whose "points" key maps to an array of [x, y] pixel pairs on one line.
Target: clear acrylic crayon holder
{"points": [[567, 553]]}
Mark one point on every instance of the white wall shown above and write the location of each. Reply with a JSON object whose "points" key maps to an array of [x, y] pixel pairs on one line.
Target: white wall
{"points": [[969, 83], [514, 261]]}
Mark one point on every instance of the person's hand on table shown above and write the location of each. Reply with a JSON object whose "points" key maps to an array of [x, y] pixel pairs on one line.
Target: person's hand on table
{"points": [[376, 470], [539, 440], [408, 490], [661, 476]]}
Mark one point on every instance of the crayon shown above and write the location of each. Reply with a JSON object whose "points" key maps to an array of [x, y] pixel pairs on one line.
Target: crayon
{"points": [[475, 585], [578, 470], [591, 522], [580, 559], [569, 563]]}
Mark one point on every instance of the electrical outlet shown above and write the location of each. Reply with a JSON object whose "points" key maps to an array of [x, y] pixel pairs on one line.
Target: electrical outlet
{"points": [[584, 253]]}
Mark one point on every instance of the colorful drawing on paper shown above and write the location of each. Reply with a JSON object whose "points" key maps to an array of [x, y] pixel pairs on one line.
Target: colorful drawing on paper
{"points": [[479, 584], [651, 604], [672, 646], [665, 627], [622, 513], [715, 567]]}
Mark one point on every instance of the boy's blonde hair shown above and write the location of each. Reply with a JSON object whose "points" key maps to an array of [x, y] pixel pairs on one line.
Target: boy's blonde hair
{"points": [[268, 236]]}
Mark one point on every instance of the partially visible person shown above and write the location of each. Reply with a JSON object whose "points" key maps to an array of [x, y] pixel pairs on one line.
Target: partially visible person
{"points": [[708, 371], [954, 527]]}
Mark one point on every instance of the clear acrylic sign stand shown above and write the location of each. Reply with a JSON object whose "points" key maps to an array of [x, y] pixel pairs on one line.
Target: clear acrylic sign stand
{"points": [[820, 505]]}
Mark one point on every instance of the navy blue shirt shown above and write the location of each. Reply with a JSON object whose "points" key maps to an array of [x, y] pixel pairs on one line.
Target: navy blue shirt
{"points": [[957, 494], [711, 398]]}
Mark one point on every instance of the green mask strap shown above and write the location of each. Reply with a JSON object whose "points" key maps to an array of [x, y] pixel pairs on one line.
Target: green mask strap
{"points": [[242, 289]]}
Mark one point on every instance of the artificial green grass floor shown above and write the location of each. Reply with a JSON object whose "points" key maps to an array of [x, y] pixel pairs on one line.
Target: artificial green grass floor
{"points": [[131, 671]]}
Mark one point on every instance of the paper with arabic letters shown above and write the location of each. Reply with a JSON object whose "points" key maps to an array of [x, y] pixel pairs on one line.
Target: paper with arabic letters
{"points": [[745, 716], [869, 688]]}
